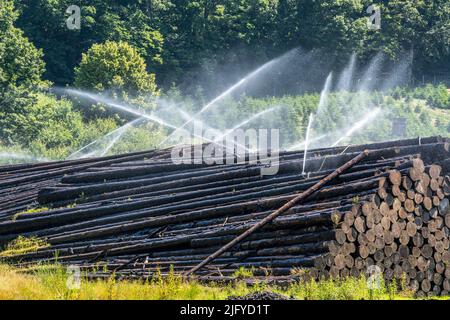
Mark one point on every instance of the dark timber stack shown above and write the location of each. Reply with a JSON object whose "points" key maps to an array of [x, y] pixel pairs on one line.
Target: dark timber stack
{"points": [[140, 215], [20, 184]]}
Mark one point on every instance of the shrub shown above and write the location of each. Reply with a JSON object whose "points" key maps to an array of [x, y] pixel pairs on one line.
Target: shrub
{"points": [[436, 96], [45, 125], [115, 66]]}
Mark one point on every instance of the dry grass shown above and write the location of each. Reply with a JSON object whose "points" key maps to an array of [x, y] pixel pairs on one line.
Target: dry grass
{"points": [[49, 282]]}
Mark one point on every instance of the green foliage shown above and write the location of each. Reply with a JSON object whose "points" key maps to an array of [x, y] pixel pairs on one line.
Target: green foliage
{"points": [[50, 127], [14, 154], [342, 110], [115, 69], [29, 211], [34, 210], [242, 272], [50, 282], [435, 96], [144, 137], [181, 38], [21, 63], [347, 289], [44, 22], [22, 245], [31, 119], [119, 44], [45, 125], [116, 66]]}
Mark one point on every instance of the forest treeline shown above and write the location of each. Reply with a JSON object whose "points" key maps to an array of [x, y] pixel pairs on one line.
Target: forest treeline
{"points": [[181, 50]]}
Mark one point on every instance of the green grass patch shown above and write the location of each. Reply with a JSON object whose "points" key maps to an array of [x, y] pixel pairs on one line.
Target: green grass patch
{"points": [[23, 245]]}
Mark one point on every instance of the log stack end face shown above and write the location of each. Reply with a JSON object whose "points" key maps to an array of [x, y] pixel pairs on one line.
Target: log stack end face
{"points": [[406, 239]]}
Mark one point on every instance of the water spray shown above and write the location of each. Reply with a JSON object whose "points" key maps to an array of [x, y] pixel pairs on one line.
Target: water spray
{"points": [[243, 123], [324, 93], [130, 110], [119, 131], [21, 156], [311, 117], [359, 125], [301, 145], [345, 79], [230, 90], [118, 106]]}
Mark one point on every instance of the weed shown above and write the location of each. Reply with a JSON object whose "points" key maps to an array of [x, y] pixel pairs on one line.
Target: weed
{"points": [[22, 245], [50, 282], [29, 211]]}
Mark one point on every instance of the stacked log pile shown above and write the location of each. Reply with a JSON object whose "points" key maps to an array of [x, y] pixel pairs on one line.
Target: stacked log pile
{"points": [[20, 184], [141, 217], [403, 231]]}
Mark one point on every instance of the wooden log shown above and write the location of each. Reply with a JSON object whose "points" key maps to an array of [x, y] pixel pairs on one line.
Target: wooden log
{"points": [[278, 212]]}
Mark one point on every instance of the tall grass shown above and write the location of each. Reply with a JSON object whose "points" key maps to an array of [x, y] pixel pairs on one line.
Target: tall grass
{"points": [[50, 282]]}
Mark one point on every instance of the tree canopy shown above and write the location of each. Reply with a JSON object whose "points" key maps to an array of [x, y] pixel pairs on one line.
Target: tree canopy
{"points": [[183, 40], [21, 63], [116, 66], [44, 22], [135, 49]]}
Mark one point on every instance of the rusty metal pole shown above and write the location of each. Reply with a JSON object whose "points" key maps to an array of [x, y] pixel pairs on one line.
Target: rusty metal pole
{"points": [[279, 211]]}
